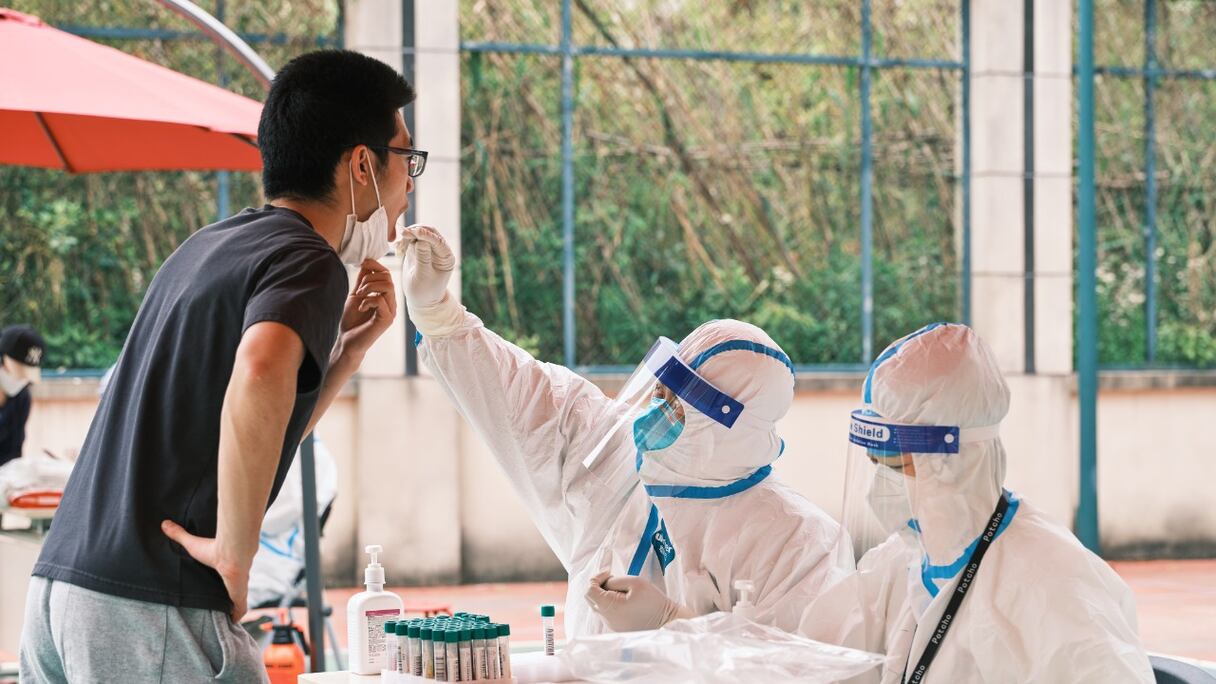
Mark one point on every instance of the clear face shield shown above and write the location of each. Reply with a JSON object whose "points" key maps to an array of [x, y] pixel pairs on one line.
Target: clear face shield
{"points": [[936, 486], [661, 399]]}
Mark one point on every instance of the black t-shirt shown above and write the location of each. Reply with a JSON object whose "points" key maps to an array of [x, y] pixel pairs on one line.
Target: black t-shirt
{"points": [[151, 453], [13, 414]]}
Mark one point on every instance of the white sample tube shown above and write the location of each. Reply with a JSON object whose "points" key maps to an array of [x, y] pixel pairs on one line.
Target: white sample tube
{"points": [[390, 646], [547, 613], [435, 657], [466, 655], [493, 665], [480, 667], [404, 657], [452, 651], [416, 651], [504, 651]]}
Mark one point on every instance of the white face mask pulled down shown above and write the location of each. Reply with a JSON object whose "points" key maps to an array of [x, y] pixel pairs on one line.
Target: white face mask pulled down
{"points": [[10, 384], [368, 239]]}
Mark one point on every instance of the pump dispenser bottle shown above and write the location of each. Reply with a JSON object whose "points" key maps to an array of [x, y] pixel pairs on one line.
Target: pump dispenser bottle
{"points": [[366, 613]]}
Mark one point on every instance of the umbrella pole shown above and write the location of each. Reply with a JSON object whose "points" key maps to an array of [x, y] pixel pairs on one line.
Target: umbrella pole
{"points": [[222, 35]]}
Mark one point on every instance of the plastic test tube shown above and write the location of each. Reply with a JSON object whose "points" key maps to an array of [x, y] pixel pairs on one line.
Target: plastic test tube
{"points": [[546, 619], [504, 651], [480, 667], [405, 657], [493, 666], [392, 649], [441, 654], [452, 639], [390, 645], [415, 634], [428, 651], [466, 654]]}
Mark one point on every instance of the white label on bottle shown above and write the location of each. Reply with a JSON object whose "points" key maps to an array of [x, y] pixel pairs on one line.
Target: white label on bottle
{"points": [[377, 645]]}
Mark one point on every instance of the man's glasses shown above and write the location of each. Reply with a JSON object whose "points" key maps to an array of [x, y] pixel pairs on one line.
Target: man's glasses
{"points": [[415, 159]]}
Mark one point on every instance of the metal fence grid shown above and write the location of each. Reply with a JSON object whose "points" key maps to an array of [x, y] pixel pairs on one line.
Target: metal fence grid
{"points": [[1155, 95], [868, 64]]}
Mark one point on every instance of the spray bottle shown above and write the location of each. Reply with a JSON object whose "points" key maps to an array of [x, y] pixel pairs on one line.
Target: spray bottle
{"points": [[284, 658]]}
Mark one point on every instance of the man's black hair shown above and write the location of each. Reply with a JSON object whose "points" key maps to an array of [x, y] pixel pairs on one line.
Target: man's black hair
{"points": [[320, 105]]}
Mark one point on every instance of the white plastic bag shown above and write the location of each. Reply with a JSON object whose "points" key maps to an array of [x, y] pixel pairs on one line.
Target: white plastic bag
{"points": [[33, 473], [719, 647]]}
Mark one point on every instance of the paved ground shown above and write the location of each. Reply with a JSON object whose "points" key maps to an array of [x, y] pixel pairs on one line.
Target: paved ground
{"points": [[1176, 602]]}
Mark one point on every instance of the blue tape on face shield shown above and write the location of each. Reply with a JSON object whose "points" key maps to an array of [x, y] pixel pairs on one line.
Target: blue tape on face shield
{"points": [[658, 428]]}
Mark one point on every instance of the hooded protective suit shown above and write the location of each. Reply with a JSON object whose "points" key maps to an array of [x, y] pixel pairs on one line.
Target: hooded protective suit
{"points": [[927, 468], [694, 511]]}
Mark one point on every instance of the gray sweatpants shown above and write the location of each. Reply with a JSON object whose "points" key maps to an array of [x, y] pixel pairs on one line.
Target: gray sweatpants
{"points": [[80, 636]]}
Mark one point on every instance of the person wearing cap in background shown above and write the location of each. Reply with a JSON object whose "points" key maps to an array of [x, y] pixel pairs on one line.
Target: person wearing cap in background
{"points": [[22, 349]]}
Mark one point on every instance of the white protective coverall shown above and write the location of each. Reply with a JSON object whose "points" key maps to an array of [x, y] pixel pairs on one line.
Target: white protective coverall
{"points": [[713, 514], [1041, 607]]}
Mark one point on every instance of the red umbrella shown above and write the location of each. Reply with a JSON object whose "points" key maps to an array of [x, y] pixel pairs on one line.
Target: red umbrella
{"points": [[69, 103]]}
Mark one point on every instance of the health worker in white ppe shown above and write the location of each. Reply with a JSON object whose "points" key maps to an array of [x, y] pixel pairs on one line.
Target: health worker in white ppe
{"points": [[965, 581], [663, 493]]}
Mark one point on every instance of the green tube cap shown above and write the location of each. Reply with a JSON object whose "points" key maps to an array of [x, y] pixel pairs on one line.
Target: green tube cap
{"points": [[548, 611]]}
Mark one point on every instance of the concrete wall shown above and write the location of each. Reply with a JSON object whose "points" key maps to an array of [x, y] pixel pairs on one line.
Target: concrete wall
{"points": [[415, 478], [1154, 466]]}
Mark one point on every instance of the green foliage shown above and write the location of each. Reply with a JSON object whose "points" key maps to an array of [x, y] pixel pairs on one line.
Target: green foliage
{"points": [[1184, 121], [703, 189], [708, 189]]}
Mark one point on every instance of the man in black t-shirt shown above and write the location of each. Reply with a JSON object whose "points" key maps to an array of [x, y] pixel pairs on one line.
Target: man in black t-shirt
{"points": [[244, 338]]}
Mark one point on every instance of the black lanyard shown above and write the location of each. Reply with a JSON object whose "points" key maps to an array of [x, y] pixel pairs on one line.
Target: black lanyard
{"points": [[956, 599]]}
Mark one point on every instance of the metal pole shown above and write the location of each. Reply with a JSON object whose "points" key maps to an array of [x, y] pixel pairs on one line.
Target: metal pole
{"points": [[966, 270], [221, 177], [312, 554], [867, 193], [224, 36], [407, 71], [568, 331], [1028, 186], [1087, 296], [1150, 180]]}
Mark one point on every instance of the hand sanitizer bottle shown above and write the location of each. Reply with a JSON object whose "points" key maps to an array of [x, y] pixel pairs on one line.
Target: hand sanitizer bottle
{"points": [[366, 613]]}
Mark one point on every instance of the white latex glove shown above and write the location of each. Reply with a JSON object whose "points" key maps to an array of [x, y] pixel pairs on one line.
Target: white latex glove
{"points": [[428, 263], [428, 266], [631, 604]]}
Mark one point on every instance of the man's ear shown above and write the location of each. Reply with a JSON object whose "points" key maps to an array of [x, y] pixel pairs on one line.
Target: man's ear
{"points": [[357, 160]]}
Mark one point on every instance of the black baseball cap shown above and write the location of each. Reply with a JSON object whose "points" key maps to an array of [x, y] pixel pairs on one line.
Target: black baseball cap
{"points": [[22, 344]]}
